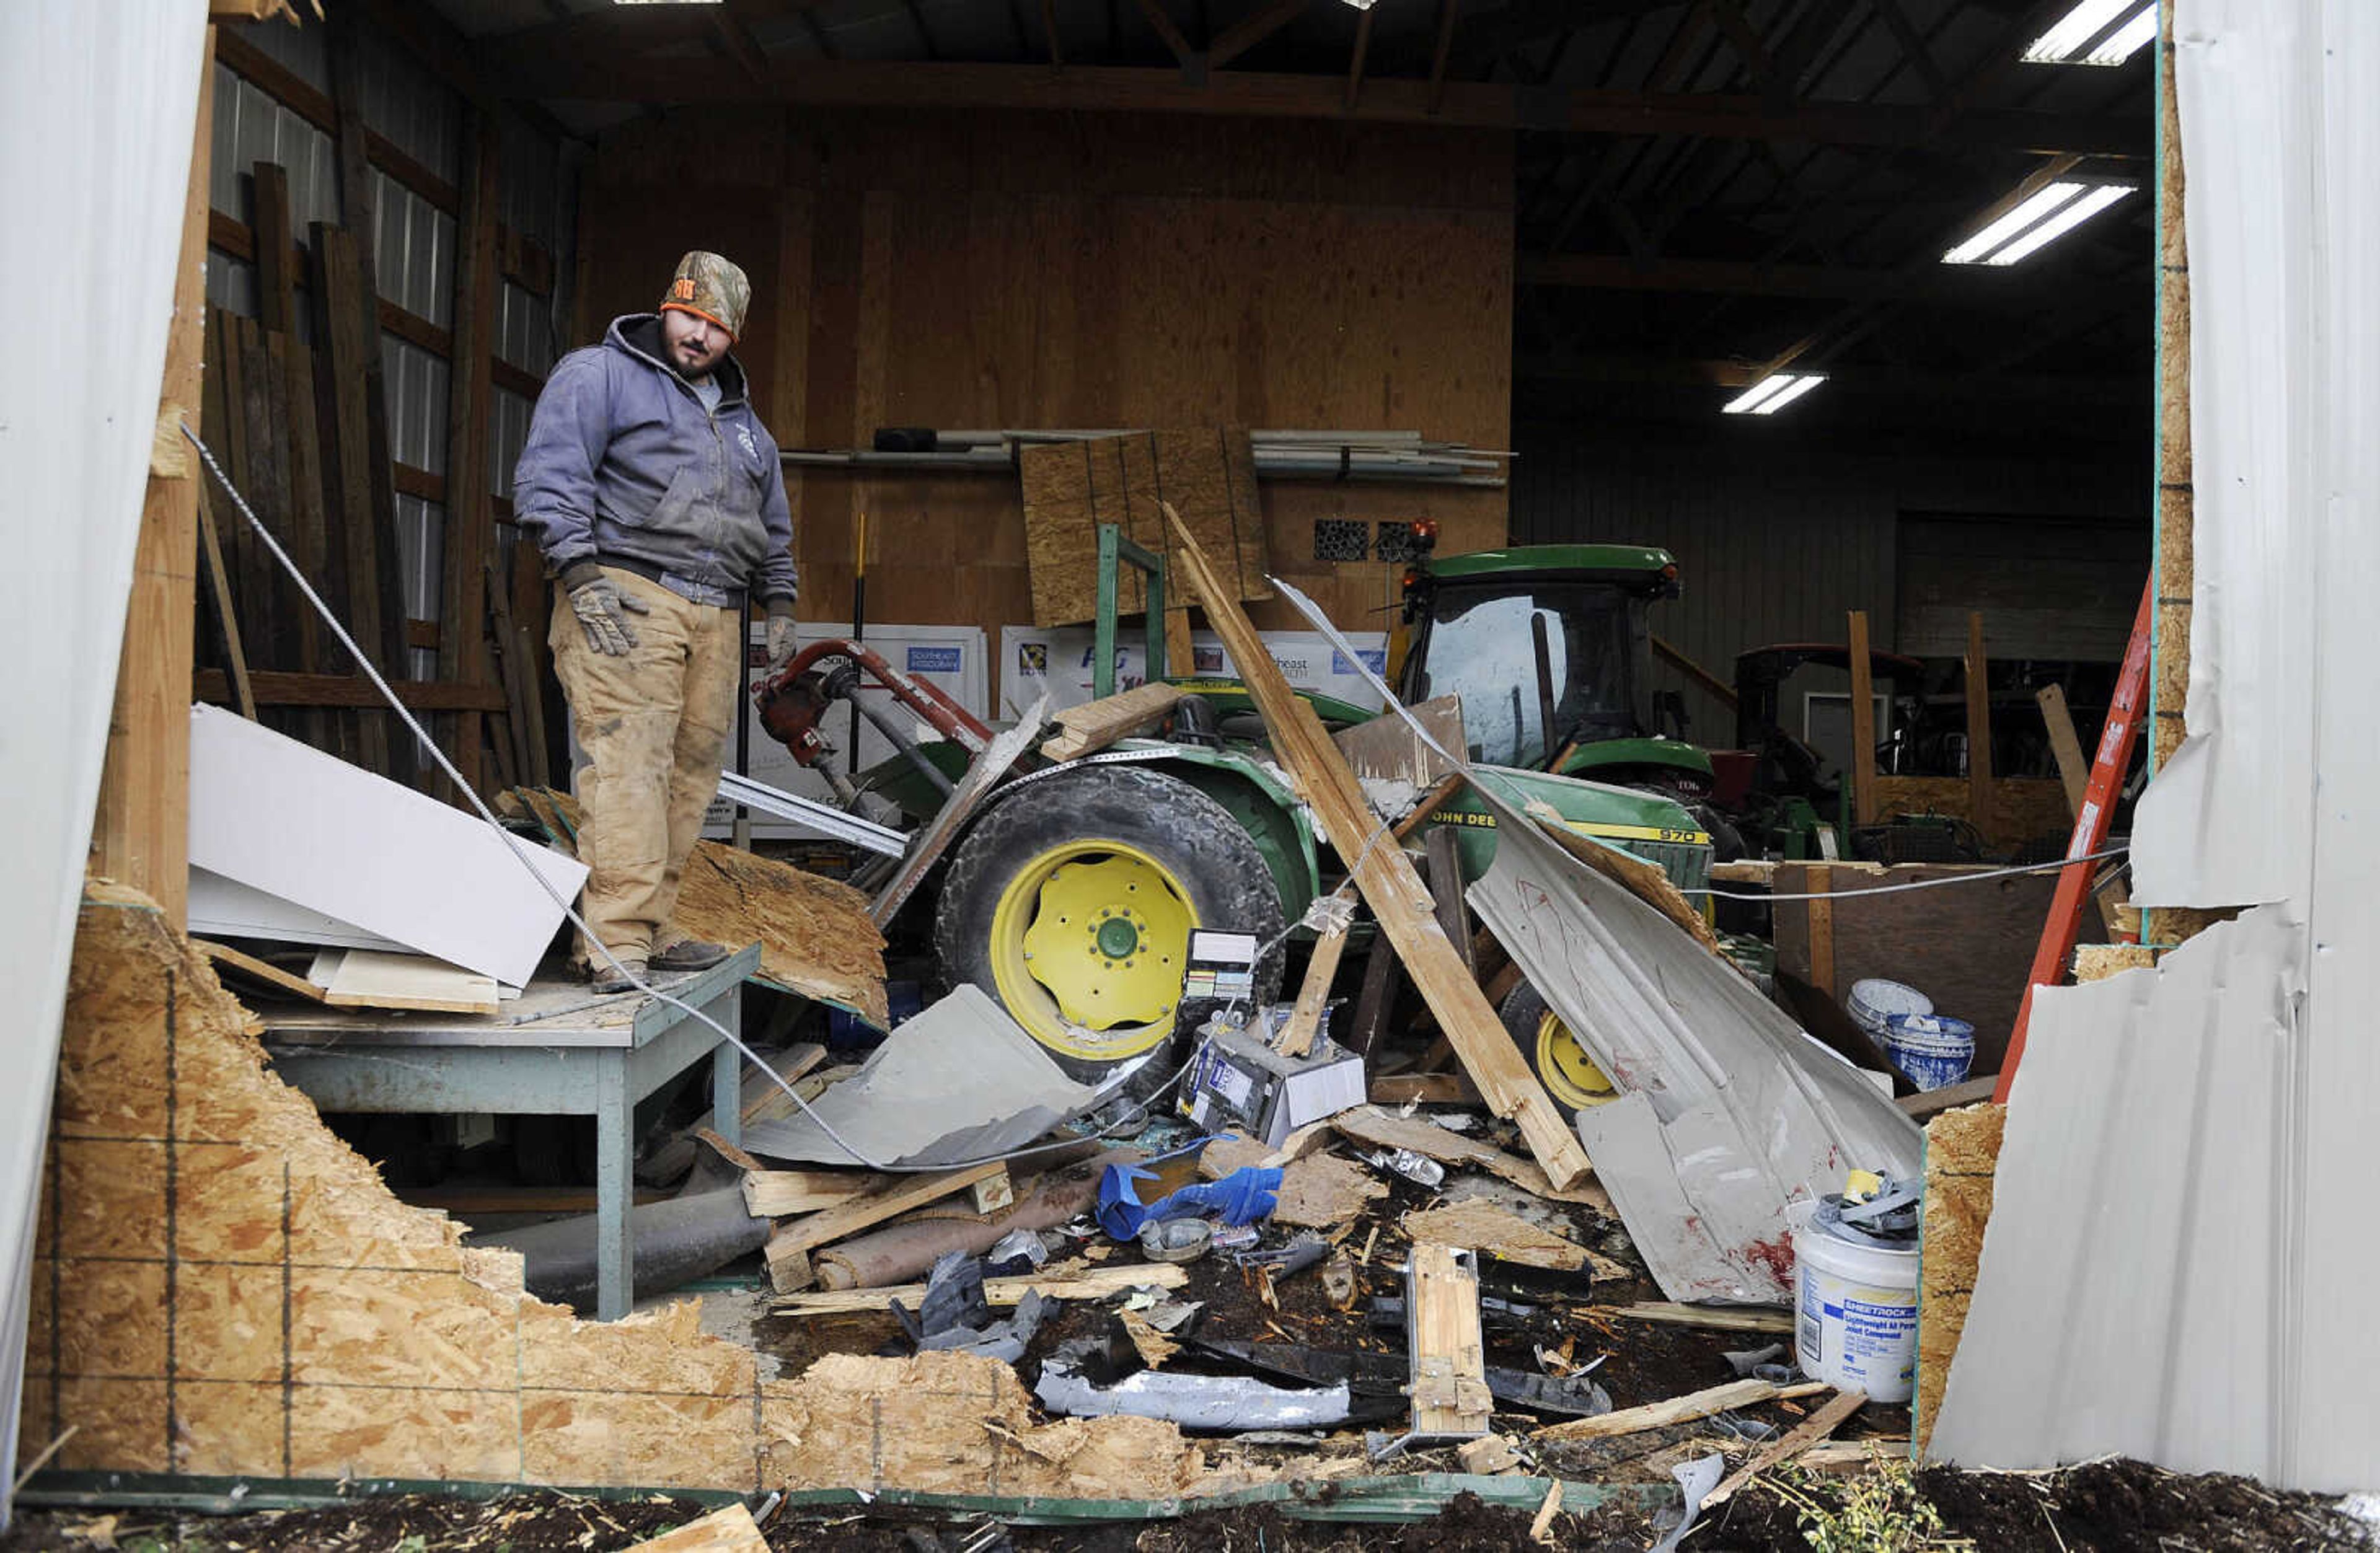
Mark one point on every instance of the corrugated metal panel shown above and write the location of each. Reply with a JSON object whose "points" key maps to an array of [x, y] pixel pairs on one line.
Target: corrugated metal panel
{"points": [[2181, 1245], [416, 404], [413, 251], [231, 283], [421, 536], [305, 50], [511, 434], [410, 106], [249, 128], [528, 173], [2267, 502], [524, 329], [109, 96]]}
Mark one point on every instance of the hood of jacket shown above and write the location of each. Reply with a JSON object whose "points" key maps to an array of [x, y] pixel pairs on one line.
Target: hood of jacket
{"points": [[639, 334]]}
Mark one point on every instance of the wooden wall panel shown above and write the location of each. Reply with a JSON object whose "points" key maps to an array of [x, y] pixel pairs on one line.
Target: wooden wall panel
{"points": [[1026, 270]]}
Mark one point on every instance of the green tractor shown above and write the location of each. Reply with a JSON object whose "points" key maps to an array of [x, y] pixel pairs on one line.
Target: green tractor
{"points": [[1072, 892]]}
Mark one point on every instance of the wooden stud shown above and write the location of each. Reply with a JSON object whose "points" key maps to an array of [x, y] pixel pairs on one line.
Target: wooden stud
{"points": [[1376, 998], [265, 971], [1822, 927], [276, 688], [226, 614], [355, 482], [1072, 1281], [2114, 899], [1305, 1018], [1861, 765], [1807, 1433], [781, 1194], [276, 269], [1097, 724], [1678, 1410], [462, 649], [140, 832], [1386, 876], [1979, 728], [1445, 891]]}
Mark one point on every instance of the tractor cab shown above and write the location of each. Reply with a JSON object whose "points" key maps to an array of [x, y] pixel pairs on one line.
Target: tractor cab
{"points": [[1550, 647]]}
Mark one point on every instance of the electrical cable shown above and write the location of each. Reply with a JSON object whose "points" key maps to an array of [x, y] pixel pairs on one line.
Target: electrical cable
{"points": [[2056, 867], [515, 846]]}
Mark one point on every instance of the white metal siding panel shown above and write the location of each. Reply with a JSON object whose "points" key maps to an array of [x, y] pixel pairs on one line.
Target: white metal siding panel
{"points": [[2182, 1242], [109, 94]]}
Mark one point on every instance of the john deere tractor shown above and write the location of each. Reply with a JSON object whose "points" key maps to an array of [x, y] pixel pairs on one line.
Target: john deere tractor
{"points": [[1070, 894]]}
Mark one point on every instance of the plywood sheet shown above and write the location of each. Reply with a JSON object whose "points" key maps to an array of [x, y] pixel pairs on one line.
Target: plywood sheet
{"points": [[1208, 476], [375, 978]]}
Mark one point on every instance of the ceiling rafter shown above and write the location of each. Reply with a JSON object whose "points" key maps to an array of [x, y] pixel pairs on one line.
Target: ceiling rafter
{"points": [[1254, 29], [1914, 48], [1355, 58], [1448, 11]]}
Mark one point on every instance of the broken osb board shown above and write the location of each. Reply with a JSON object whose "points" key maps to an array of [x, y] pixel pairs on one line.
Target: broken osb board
{"points": [[1322, 1191], [1963, 1148], [950, 1422], [1208, 474], [815, 935], [2023, 809], [220, 1286]]}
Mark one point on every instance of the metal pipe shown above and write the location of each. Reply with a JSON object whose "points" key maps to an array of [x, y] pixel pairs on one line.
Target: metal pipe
{"points": [[674, 1242]]}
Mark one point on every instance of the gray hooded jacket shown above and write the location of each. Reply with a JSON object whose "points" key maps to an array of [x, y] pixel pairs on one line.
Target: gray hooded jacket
{"points": [[624, 466]]}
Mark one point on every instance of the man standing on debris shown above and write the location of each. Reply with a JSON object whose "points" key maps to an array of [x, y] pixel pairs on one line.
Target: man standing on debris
{"points": [[655, 493]]}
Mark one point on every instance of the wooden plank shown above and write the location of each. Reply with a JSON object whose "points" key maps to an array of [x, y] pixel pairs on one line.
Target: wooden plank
{"points": [[928, 846], [1387, 877], [1678, 1410], [1817, 880], [1372, 1125], [1443, 1089], [531, 597], [1377, 999], [780, 1194], [1711, 684], [789, 1249], [272, 637], [1097, 724], [2114, 899], [140, 830], [350, 473], [411, 983], [275, 250], [265, 971], [1446, 892], [274, 688], [1313, 994], [1931, 1102], [1057, 1281], [1807, 1433], [731, 1530], [1979, 727], [1862, 758], [301, 533], [462, 650], [1450, 1359], [226, 614], [1712, 1318]]}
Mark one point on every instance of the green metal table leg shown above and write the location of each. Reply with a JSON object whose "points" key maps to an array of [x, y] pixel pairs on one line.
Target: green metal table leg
{"points": [[615, 1187]]}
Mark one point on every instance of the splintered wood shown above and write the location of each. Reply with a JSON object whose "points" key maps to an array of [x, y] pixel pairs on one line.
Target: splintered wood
{"points": [[1450, 1374], [789, 1249], [815, 935], [1484, 1226], [1093, 726], [1318, 1192], [1372, 1125], [723, 1531], [1402, 906], [1071, 488]]}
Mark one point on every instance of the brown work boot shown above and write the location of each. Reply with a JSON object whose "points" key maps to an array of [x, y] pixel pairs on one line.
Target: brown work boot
{"points": [[688, 955], [604, 980]]}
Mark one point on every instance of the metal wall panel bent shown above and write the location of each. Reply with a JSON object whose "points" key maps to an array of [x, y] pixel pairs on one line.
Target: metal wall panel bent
{"points": [[2182, 1244], [109, 94]]}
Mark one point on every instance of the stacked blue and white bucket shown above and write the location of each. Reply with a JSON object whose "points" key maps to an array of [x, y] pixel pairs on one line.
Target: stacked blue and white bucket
{"points": [[1932, 1050]]}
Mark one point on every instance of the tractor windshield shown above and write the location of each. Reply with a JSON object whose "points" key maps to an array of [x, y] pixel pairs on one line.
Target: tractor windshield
{"points": [[1481, 646]]}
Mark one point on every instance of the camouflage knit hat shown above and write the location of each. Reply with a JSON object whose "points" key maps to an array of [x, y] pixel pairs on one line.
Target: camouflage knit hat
{"points": [[711, 287]]}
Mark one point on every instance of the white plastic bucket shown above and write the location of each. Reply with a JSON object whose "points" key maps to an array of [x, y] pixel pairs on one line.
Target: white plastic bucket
{"points": [[1855, 1322], [1873, 999], [1932, 1049]]}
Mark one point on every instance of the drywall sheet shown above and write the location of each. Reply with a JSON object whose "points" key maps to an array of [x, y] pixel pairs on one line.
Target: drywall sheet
{"points": [[1729, 1113], [290, 820], [2280, 266], [98, 104], [959, 1081], [225, 908], [2181, 1240]]}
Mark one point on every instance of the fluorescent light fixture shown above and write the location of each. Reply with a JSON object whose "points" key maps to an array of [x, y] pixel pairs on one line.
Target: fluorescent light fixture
{"points": [[1772, 393], [2048, 212], [2116, 28], [1360, 5]]}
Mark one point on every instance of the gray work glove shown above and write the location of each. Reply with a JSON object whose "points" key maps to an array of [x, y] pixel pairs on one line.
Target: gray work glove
{"points": [[780, 632], [602, 610]]}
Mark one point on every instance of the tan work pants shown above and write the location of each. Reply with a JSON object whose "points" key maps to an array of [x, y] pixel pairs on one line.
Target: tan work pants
{"points": [[652, 724]]}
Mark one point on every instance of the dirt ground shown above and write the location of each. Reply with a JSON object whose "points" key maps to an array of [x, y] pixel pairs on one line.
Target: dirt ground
{"points": [[2108, 1507]]}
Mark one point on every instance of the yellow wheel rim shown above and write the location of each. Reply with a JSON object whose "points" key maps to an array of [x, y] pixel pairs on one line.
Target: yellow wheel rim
{"points": [[1087, 945], [1569, 1075]]}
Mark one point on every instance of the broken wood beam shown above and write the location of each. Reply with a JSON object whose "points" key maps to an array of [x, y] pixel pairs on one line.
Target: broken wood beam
{"points": [[1389, 884], [1714, 1319], [1807, 1433], [1450, 1357], [782, 1194], [789, 1248], [1313, 994], [1095, 726], [1678, 1410], [1054, 1283]]}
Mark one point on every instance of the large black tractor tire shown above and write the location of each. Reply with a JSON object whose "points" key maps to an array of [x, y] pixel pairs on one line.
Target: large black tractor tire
{"points": [[1071, 902], [1572, 1081]]}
